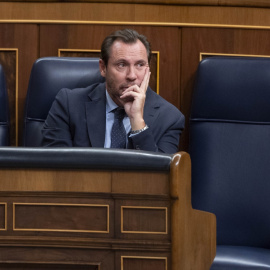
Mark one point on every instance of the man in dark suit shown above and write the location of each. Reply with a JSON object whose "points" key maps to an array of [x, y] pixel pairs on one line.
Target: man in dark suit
{"points": [[87, 117]]}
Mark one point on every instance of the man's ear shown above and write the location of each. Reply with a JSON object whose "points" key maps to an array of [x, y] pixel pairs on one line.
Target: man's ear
{"points": [[102, 68]]}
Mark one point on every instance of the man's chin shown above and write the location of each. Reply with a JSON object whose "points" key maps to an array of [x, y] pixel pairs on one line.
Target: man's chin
{"points": [[119, 102]]}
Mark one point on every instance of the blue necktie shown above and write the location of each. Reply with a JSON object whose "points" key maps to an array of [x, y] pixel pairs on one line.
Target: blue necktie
{"points": [[118, 135]]}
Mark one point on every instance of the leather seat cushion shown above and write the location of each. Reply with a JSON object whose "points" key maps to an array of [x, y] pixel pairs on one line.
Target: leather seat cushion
{"points": [[239, 258]]}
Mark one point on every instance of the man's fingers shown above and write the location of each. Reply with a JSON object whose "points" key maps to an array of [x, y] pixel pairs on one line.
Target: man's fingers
{"points": [[146, 79], [139, 89], [134, 91], [133, 88]]}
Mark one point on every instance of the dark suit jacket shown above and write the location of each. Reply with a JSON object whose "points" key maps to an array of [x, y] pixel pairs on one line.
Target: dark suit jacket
{"points": [[78, 118]]}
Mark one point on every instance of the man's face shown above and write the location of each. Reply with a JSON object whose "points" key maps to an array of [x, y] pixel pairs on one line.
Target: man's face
{"points": [[126, 66]]}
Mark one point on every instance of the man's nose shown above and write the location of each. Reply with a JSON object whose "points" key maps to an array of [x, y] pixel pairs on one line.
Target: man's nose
{"points": [[131, 73]]}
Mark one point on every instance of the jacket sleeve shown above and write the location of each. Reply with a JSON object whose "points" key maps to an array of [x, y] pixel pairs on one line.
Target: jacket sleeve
{"points": [[56, 131], [163, 136]]}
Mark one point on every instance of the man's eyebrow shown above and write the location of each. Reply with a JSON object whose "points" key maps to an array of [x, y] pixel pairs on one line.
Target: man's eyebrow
{"points": [[121, 60], [141, 62]]}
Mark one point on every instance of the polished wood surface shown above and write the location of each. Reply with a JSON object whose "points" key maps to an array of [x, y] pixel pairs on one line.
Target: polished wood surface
{"points": [[179, 31], [219, 41], [132, 13], [70, 37], [8, 60], [188, 221], [90, 219], [18, 54], [242, 3]]}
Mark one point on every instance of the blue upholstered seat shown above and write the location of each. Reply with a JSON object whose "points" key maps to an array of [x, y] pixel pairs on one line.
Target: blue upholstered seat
{"points": [[4, 111], [230, 154], [48, 76], [241, 257]]}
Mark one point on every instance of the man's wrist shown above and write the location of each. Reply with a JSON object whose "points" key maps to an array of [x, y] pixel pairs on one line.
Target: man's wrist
{"points": [[133, 132], [137, 122]]}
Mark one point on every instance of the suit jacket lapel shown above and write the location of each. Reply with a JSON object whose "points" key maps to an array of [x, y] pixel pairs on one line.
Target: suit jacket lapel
{"points": [[96, 116]]}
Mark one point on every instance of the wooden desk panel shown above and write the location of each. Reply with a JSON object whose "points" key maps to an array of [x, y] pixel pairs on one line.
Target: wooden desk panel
{"points": [[90, 219]]}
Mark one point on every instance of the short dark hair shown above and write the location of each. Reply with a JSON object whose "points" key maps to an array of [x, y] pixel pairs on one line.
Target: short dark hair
{"points": [[127, 36]]}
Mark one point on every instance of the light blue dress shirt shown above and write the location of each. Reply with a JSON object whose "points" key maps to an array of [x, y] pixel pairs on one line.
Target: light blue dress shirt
{"points": [[110, 106]]}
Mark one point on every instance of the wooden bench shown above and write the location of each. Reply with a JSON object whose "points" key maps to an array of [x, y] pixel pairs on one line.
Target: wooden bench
{"points": [[76, 208]]}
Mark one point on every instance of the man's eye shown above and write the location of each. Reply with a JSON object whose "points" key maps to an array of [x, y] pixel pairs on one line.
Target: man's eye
{"points": [[140, 65], [121, 65]]}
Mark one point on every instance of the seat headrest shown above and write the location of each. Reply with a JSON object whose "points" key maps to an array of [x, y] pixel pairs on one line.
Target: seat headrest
{"points": [[50, 74], [232, 89]]}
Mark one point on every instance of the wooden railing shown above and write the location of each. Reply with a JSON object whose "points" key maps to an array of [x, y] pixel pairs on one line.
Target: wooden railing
{"points": [[100, 209]]}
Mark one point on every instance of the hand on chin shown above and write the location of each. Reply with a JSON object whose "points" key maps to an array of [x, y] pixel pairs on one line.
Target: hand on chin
{"points": [[126, 100]]}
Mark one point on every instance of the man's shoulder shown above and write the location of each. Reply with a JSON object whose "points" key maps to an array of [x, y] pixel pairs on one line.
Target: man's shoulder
{"points": [[85, 91], [75, 95]]}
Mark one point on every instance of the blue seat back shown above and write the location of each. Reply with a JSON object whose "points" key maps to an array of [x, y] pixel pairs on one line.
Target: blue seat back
{"points": [[48, 76], [230, 147]]}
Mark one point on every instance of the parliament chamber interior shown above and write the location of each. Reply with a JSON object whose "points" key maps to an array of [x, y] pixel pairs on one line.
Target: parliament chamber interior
{"points": [[203, 207]]}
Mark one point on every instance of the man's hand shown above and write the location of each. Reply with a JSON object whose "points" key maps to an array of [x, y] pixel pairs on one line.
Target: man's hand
{"points": [[134, 98]]}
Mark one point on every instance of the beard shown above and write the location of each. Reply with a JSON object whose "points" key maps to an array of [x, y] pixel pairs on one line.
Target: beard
{"points": [[115, 91]]}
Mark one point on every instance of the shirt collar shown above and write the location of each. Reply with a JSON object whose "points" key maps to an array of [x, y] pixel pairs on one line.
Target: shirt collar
{"points": [[110, 104]]}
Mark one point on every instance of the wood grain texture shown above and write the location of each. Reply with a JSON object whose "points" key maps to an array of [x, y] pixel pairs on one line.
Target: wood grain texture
{"points": [[60, 219], [179, 50], [131, 13], [13, 36], [194, 228], [3, 212], [242, 3], [9, 60], [39, 29], [54, 181], [214, 40], [16, 258], [56, 217], [140, 183], [54, 37]]}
